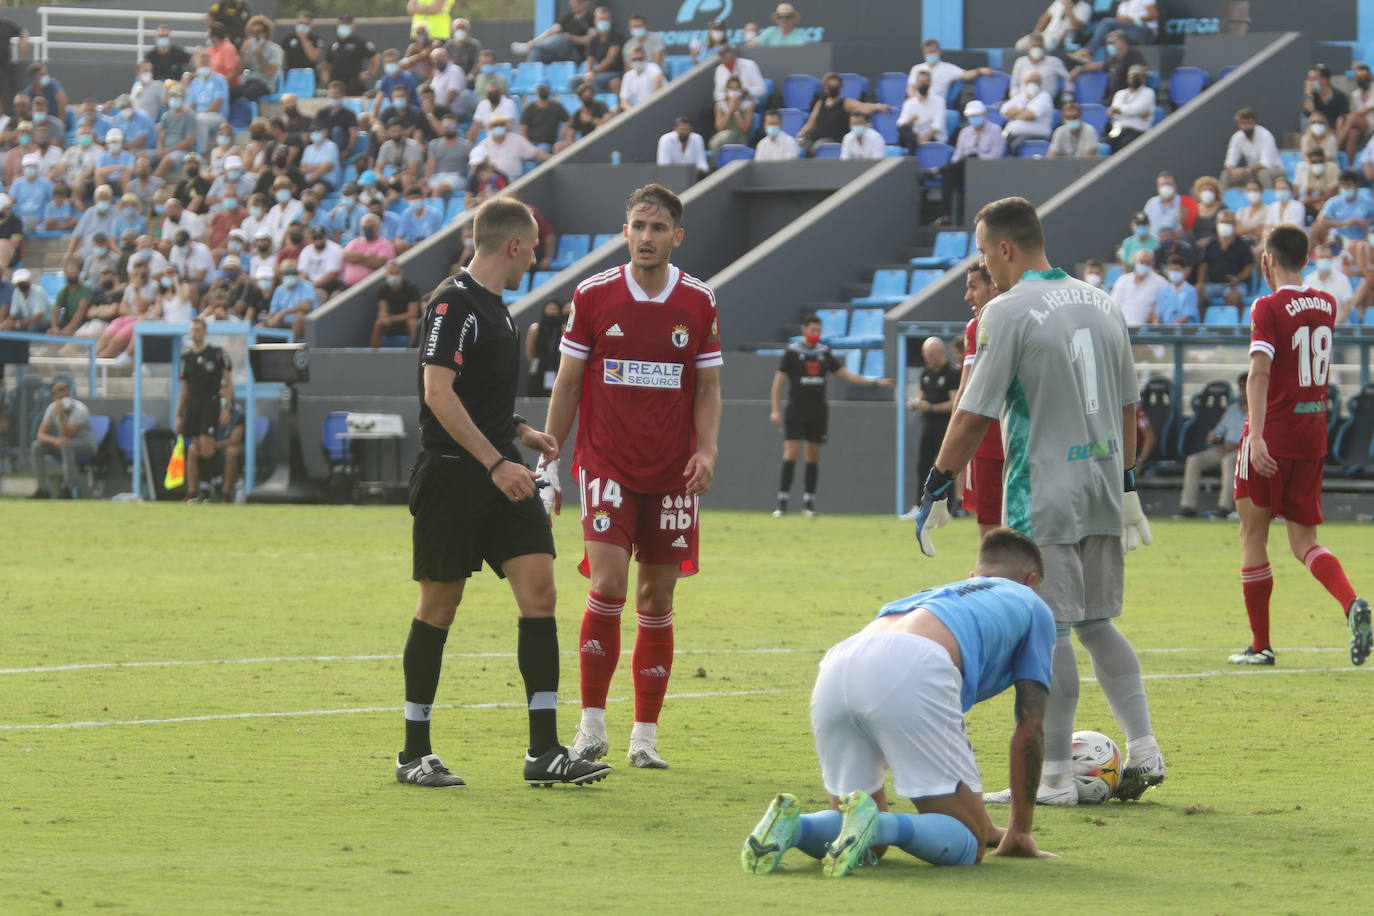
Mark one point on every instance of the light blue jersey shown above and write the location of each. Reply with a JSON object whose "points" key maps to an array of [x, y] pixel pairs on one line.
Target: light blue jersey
{"points": [[1004, 631]]}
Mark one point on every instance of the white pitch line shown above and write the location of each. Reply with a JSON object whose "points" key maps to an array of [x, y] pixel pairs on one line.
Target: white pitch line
{"points": [[348, 712]]}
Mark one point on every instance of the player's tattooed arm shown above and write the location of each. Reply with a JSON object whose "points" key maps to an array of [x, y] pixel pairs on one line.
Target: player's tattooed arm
{"points": [[1027, 759]]}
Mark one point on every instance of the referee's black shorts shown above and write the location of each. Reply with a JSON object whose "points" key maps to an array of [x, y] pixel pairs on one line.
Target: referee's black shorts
{"points": [[811, 425], [200, 416], [462, 519]]}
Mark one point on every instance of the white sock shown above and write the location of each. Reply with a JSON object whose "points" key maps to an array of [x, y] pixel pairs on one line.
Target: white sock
{"points": [[594, 720], [1140, 748], [644, 731], [1056, 774]]}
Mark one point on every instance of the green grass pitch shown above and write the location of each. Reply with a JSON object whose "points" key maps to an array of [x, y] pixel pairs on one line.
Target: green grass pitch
{"points": [[256, 774]]}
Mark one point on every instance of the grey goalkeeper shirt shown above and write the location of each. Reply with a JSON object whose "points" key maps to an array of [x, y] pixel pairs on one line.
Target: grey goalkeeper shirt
{"points": [[1054, 363]]}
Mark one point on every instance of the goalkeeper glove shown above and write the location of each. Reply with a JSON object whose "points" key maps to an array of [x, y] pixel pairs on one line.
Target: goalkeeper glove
{"points": [[550, 488], [1136, 526], [934, 510]]}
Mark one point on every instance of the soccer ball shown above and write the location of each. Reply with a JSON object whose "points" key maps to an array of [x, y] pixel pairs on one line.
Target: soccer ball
{"points": [[1096, 767]]}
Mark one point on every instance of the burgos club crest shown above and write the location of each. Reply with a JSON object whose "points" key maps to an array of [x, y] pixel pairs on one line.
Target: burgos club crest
{"points": [[681, 336], [601, 522]]}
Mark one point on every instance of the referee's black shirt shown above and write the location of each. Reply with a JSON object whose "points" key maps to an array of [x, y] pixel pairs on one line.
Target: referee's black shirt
{"points": [[806, 369], [467, 329]]}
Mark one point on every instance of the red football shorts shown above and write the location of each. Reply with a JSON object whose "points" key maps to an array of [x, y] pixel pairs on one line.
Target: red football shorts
{"points": [[985, 483], [1294, 492], [653, 527]]}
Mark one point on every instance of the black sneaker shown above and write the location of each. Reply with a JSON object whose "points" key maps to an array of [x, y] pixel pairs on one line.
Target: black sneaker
{"points": [[809, 509], [428, 770], [557, 765], [1361, 635], [1264, 656]]}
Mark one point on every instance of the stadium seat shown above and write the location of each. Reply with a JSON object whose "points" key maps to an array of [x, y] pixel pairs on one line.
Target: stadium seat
{"points": [[1114, 272], [526, 76], [933, 155], [792, 120], [89, 464], [242, 112], [1104, 150], [893, 151], [854, 85], [853, 360], [865, 329], [1095, 113], [570, 102], [732, 152], [892, 89], [559, 73], [454, 208], [570, 248], [951, 123], [889, 288], [674, 65], [995, 116], [951, 247], [512, 296], [540, 277], [799, 89], [885, 123], [920, 279], [1158, 116], [873, 363], [1355, 437], [300, 83], [1090, 86], [1290, 159], [52, 282], [1225, 72], [1207, 405], [1157, 400], [1186, 84], [336, 445], [991, 89], [834, 323], [768, 86], [1234, 199], [124, 434], [826, 151], [606, 237], [1033, 149], [1221, 315]]}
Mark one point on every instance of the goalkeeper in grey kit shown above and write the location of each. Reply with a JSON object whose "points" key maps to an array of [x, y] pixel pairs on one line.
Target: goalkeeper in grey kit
{"points": [[1054, 361]]}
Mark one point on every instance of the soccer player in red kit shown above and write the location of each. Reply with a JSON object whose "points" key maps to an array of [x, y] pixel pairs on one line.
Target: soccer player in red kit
{"points": [[983, 489], [1279, 472], [641, 367]]}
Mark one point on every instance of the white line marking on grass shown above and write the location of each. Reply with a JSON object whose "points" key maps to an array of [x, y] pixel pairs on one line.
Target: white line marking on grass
{"points": [[301, 713], [1208, 649]]}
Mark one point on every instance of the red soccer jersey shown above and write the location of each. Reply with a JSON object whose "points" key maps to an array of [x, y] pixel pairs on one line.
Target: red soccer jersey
{"points": [[635, 422], [991, 446], [1293, 326]]}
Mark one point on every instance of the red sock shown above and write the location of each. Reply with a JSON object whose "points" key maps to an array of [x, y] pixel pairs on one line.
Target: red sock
{"points": [[1257, 584], [653, 663], [1323, 564], [600, 647]]}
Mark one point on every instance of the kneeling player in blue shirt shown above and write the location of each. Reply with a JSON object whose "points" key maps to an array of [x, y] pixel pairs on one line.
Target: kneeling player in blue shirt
{"points": [[893, 697]]}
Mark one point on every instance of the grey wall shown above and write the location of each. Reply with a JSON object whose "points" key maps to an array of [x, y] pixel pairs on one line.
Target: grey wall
{"points": [[1037, 180]]}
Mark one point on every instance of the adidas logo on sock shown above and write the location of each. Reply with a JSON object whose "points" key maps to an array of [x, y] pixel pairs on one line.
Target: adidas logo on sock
{"points": [[614, 331], [655, 671], [592, 647], [680, 542]]}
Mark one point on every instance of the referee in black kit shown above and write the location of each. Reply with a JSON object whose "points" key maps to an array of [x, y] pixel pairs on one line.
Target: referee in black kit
{"points": [[473, 500]]}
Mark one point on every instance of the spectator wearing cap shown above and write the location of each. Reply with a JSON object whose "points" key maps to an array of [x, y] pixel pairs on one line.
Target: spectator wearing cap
{"points": [[776, 145], [1121, 57], [130, 218], [566, 39], [604, 61], [238, 293], [99, 217], [446, 166], [167, 59], [463, 47], [398, 161], [641, 80], [829, 120], [284, 211], [236, 243], [366, 253], [1074, 138], [29, 308], [262, 250], [227, 215], [176, 217], [262, 60], [59, 214], [651, 43], [302, 47], [1028, 114], [321, 263], [783, 32], [320, 160], [750, 77], [447, 79], [862, 142], [194, 263], [291, 301], [419, 221], [922, 118], [1132, 109], [207, 96], [176, 133], [139, 131], [234, 179], [1251, 152], [683, 146], [30, 193], [398, 307], [509, 151], [350, 58], [343, 219], [42, 84], [495, 102], [115, 164], [1140, 238], [542, 121], [393, 76], [977, 140]]}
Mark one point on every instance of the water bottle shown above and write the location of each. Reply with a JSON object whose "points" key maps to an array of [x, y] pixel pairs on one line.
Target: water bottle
{"points": [[615, 157]]}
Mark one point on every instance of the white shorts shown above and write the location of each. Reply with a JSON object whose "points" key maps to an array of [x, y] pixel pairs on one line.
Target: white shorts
{"points": [[1084, 581], [454, 180], [890, 701]]}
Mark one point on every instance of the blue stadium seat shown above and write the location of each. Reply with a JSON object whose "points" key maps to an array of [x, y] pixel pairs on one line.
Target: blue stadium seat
{"points": [[992, 88], [606, 237], [337, 448], [241, 113], [995, 116], [512, 296], [1186, 84], [885, 123], [920, 279], [1114, 272], [1355, 436], [853, 360], [889, 288], [1290, 159], [1234, 199], [674, 65], [124, 434], [300, 83], [799, 89], [1157, 400], [873, 364], [540, 277], [892, 89], [792, 120], [559, 73], [1090, 86], [934, 155], [507, 69], [353, 105], [1158, 116], [951, 247], [527, 75], [768, 85], [951, 123], [570, 102], [455, 207], [1033, 149], [570, 248], [1095, 113], [865, 329], [854, 85], [1225, 72], [893, 151], [732, 152], [826, 151], [1222, 315], [1208, 405], [52, 282], [834, 323]]}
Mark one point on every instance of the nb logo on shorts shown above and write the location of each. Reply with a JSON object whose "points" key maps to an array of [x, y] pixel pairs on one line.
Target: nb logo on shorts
{"points": [[675, 516], [641, 374]]}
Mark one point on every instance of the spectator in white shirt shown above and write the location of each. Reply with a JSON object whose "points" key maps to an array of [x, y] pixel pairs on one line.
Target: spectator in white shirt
{"points": [[1315, 181], [1284, 209], [508, 151], [1053, 73], [447, 80], [1075, 138], [862, 141], [1329, 279], [775, 145], [750, 77], [321, 262], [642, 80], [1059, 22], [175, 217], [284, 212], [1132, 109], [922, 119], [1251, 153], [496, 102], [1138, 19], [1028, 114], [1360, 121], [943, 74], [1137, 291], [682, 145]]}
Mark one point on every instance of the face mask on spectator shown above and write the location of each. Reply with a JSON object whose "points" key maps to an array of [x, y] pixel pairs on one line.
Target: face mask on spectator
{"points": [[750, 35], [369, 233], [203, 72], [163, 43], [223, 140], [102, 205], [717, 34], [542, 92], [394, 280], [264, 246], [159, 209], [295, 236], [146, 76], [1111, 50], [1226, 230], [1166, 191], [1092, 279], [125, 114], [772, 130], [498, 132], [1318, 128], [390, 68], [288, 280], [166, 282], [976, 121], [1037, 54], [639, 66], [1142, 230], [1208, 196], [1074, 125], [344, 31], [416, 204], [1254, 196], [832, 90], [192, 171], [283, 196], [83, 140], [1323, 265], [317, 136], [174, 102], [347, 201], [129, 213], [859, 130], [255, 212], [1283, 195], [932, 59], [229, 203], [1175, 276], [1249, 132], [1348, 193], [234, 174], [1317, 168], [639, 32], [265, 284], [399, 104], [603, 25], [1142, 270], [231, 274], [460, 34], [30, 171], [302, 27], [1032, 88]]}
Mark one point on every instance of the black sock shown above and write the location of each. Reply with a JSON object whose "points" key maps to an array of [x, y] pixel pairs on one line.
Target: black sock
{"points": [[789, 468], [537, 653], [813, 471], [424, 654]]}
